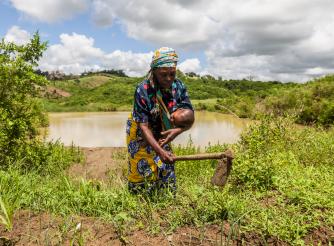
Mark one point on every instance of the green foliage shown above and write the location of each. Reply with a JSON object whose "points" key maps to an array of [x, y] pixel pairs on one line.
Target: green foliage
{"points": [[100, 92], [94, 93], [21, 113], [255, 168], [6, 214], [273, 144], [312, 103], [281, 184], [46, 158]]}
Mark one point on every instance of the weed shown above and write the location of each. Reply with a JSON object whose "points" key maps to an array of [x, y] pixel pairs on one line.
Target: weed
{"points": [[7, 213]]}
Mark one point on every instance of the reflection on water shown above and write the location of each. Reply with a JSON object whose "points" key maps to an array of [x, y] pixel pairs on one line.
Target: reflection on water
{"points": [[108, 129]]}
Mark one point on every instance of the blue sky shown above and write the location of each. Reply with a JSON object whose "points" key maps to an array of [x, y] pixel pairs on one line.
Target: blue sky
{"points": [[285, 40]]}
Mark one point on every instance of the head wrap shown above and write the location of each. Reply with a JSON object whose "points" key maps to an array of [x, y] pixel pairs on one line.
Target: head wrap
{"points": [[164, 57]]}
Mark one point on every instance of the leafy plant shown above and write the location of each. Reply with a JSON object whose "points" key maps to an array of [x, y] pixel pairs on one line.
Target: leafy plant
{"points": [[20, 113], [6, 216]]}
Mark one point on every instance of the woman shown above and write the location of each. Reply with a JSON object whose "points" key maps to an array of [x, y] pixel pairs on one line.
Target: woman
{"points": [[149, 132]]}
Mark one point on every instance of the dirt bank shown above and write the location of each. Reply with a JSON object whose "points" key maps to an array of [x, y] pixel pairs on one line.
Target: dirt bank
{"points": [[100, 164]]}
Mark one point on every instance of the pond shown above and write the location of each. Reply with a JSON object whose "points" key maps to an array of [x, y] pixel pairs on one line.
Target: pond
{"points": [[107, 129]]}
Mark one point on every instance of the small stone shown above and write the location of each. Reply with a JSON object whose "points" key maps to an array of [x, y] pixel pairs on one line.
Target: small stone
{"points": [[170, 238]]}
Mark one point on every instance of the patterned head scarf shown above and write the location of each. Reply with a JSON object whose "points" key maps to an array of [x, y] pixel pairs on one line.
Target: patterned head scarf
{"points": [[164, 57]]}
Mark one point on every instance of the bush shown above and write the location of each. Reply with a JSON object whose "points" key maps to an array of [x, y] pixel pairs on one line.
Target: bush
{"points": [[255, 167], [312, 103], [274, 145], [21, 114]]}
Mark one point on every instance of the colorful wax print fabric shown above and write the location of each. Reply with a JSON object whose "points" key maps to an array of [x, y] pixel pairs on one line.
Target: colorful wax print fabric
{"points": [[146, 107], [164, 57], [144, 165]]}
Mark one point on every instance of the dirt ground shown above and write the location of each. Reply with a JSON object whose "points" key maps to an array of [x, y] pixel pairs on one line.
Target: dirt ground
{"points": [[44, 229], [100, 163], [53, 92], [32, 228]]}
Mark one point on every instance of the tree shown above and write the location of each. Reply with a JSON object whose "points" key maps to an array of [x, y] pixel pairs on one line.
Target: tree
{"points": [[20, 112]]}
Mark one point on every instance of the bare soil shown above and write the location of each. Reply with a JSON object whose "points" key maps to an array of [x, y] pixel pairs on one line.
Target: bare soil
{"points": [[100, 164], [53, 92], [31, 228]]}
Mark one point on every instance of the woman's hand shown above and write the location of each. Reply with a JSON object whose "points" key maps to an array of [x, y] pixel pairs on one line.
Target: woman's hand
{"points": [[169, 135], [166, 156]]}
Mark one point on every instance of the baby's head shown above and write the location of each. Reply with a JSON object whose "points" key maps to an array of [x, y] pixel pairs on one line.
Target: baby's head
{"points": [[183, 118]]}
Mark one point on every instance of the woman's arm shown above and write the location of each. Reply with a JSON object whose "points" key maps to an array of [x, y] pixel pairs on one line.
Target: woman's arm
{"points": [[183, 120], [164, 155]]}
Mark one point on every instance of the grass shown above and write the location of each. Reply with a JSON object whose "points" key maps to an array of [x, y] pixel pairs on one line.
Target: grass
{"points": [[93, 93], [281, 187], [6, 215]]}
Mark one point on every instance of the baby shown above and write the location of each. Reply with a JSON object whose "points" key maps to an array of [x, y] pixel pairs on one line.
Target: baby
{"points": [[183, 118]]}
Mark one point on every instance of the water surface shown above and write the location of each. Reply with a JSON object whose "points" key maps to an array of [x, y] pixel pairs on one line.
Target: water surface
{"points": [[107, 129]]}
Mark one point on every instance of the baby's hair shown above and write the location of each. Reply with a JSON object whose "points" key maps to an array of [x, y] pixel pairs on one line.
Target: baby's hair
{"points": [[183, 117]]}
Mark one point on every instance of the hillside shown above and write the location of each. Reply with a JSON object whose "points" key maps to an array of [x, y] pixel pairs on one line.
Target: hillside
{"points": [[101, 92], [309, 103]]}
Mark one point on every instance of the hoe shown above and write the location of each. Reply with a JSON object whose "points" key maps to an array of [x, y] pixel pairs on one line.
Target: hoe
{"points": [[223, 168]]}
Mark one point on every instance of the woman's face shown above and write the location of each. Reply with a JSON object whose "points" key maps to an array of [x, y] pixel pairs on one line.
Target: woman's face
{"points": [[165, 76]]}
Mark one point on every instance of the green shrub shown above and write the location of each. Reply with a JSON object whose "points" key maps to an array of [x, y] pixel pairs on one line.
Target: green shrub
{"points": [[311, 103], [21, 113]]}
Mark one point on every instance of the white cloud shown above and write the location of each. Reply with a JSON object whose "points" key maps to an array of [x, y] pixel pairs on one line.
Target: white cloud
{"points": [[17, 35], [286, 37], [160, 22], [318, 71], [133, 64], [190, 65], [102, 13], [50, 10], [239, 67], [76, 53], [289, 40]]}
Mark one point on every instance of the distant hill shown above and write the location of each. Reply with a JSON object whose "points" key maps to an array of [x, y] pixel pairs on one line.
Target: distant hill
{"points": [[93, 93], [310, 103]]}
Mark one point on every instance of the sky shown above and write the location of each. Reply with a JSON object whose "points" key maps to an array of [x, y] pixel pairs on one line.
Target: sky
{"points": [[285, 40]]}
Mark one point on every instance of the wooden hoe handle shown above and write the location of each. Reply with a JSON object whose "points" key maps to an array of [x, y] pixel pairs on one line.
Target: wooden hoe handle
{"points": [[228, 154]]}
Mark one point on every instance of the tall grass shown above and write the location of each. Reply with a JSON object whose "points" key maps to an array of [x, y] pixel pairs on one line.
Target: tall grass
{"points": [[6, 214]]}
